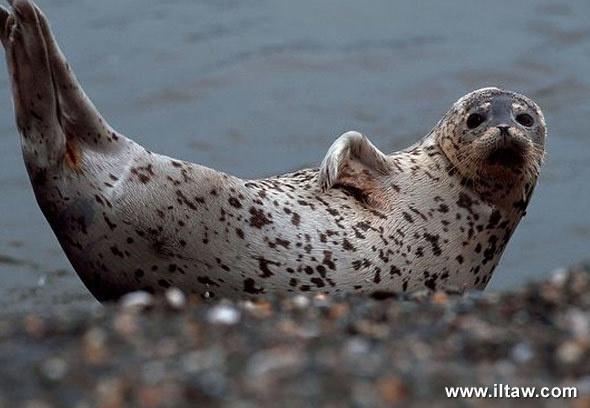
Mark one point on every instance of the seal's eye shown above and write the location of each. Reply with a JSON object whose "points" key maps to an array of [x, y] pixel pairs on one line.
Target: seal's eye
{"points": [[525, 119], [474, 120]]}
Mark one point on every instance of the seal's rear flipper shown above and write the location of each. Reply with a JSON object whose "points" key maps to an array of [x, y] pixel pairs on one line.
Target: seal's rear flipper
{"points": [[34, 95], [353, 162], [54, 115], [4, 14], [80, 117]]}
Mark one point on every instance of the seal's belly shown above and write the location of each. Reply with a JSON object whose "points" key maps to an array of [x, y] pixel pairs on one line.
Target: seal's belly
{"points": [[205, 232]]}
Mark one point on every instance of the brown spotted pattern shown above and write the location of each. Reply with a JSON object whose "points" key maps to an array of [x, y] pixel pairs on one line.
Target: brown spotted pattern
{"points": [[129, 219]]}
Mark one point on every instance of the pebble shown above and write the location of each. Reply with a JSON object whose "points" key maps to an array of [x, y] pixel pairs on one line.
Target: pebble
{"points": [[392, 389], [268, 361], [522, 353], [137, 300], [300, 301], [94, 343], [223, 314], [357, 345], [569, 352], [558, 277], [34, 325], [578, 323], [333, 351], [176, 298], [54, 369]]}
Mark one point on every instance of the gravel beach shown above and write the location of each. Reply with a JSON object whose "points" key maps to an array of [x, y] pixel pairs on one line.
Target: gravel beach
{"points": [[302, 351]]}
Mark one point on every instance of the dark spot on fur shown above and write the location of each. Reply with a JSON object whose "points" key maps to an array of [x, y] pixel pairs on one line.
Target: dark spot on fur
{"points": [[408, 217], [205, 280], [258, 219], [434, 241], [250, 287], [234, 202], [394, 270], [164, 283], [347, 246], [263, 265]]}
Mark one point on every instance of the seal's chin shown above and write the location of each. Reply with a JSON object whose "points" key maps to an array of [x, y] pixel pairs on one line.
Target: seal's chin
{"points": [[507, 156]]}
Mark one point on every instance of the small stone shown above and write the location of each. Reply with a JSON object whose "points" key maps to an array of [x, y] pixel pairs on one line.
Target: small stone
{"points": [[559, 276], [110, 393], [392, 390], [440, 298], [578, 323], [304, 331], [137, 300], [224, 314], [203, 360], [522, 353], [371, 328], [94, 346], [258, 308], [356, 346], [54, 369], [420, 295], [175, 298], [300, 301], [271, 361], [338, 310], [321, 301], [569, 352], [34, 326], [126, 324]]}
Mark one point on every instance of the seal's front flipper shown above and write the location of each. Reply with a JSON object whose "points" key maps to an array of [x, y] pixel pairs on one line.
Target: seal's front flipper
{"points": [[34, 95], [354, 162]]}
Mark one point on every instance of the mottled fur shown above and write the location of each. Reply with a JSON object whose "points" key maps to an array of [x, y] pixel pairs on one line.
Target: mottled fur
{"points": [[436, 215]]}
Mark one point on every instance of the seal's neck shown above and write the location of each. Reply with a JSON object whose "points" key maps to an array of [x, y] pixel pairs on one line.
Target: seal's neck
{"points": [[510, 194]]}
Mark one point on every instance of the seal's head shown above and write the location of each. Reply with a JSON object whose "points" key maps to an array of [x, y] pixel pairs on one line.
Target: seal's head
{"points": [[491, 135]]}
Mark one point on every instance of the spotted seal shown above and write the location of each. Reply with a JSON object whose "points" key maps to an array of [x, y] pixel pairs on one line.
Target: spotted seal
{"points": [[435, 215]]}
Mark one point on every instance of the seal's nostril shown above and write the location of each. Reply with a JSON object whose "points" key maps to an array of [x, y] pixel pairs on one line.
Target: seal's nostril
{"points": [[503, 129]]}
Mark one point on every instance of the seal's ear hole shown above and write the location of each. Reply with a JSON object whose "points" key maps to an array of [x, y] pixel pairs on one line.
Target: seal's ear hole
{"points": [[525, 119], [474, 120]]}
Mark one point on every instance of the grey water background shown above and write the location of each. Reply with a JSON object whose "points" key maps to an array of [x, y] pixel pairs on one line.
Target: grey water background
{"points": [[261, 87]]}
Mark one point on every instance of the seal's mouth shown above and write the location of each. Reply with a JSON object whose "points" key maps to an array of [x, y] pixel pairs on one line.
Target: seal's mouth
{"points": [[509, 156]]}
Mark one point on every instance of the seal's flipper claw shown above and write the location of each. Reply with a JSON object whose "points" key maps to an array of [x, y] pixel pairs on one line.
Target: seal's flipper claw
{"points": [[354, 162]]}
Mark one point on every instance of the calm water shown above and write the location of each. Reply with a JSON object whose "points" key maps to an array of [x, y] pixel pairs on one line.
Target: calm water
{"points": [[259, 87]]}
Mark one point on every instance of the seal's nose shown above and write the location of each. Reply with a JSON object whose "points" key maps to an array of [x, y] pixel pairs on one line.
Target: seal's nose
{"points": [[503, 129]]}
